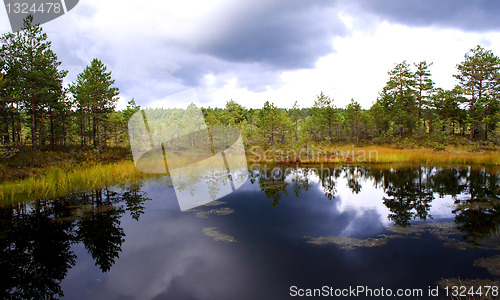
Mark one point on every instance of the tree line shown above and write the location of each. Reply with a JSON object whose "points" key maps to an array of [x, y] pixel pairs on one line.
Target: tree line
{"points": [[36, 110], [410, 110]]}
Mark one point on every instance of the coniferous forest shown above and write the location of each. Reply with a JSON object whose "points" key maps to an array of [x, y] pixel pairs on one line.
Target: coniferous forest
{"points": [[38, 112]]}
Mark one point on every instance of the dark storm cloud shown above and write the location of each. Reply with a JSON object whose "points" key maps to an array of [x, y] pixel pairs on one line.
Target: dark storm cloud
{"points": [[281, 34], [467, 15], [256, 41]]}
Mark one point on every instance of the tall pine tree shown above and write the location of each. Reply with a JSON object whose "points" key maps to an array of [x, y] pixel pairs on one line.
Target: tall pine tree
{"points": [[479, 77], [32, 75], [95, 98]]}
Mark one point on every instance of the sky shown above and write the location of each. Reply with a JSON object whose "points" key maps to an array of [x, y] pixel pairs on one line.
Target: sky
{"points": [[280, 51]]}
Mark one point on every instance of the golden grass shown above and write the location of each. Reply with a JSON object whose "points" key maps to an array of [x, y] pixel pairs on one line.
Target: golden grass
{"points": [[424, 156], [58, 181], [376, 155]]}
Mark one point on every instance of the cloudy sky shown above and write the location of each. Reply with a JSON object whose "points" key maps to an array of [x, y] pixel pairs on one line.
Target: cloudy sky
{"points": [[262, 50]]}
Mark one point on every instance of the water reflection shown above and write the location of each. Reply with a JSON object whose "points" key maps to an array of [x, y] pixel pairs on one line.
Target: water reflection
{"points": [[408, 195], [36, 238], [478, 209], [408, 192]]}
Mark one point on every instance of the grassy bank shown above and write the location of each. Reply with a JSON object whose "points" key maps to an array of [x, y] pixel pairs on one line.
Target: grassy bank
{"points": [[49, 174], [57, 181], [376, 155], [29, 163]]}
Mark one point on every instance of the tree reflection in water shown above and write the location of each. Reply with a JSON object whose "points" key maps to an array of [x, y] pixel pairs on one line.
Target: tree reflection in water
{"points": [[272, 182], [478, 212], [36, 238], [409, 192]]}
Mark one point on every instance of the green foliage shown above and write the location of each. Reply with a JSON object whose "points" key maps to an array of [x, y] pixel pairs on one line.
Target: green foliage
{"points": [[398, 100], [325, 117], [271, 124], [354, 117], [423, 85], [479, 77], [33, 81], [95, 99], [234, 115]]}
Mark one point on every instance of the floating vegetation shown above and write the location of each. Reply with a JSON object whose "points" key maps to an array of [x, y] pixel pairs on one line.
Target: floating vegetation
{"points": [[217, 236], [440, 230], [492, 242], [215, 203], [347, 243], [446, 231], [443, 231], [417, 230], [492, 264], [460, 245], [199, 213]]}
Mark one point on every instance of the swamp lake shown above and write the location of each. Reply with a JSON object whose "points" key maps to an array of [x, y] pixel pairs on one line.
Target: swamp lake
{"points": [[287, 229]]}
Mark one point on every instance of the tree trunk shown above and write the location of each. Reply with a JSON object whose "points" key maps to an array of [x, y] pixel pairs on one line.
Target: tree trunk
{"points": [[42, 131], [473, 122], [18, 133], [95, 129], [33, 124], [51, 119], [82, 138]]}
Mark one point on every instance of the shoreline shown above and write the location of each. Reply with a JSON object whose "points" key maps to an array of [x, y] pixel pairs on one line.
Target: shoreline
{"points": [[51, 179]]}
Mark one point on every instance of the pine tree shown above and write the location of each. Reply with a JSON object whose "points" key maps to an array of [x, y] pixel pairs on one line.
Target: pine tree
{"points": [[295, 119], [479, 78], [423, 88], [398, 98], [32, 73], [131, 109], [269, 122], [447, 106], [353, 118], [325, 117], [234, 114], [95, 98]]}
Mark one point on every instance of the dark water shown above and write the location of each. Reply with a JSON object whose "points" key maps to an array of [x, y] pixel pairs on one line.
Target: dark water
{"points": [[403, 228]]}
